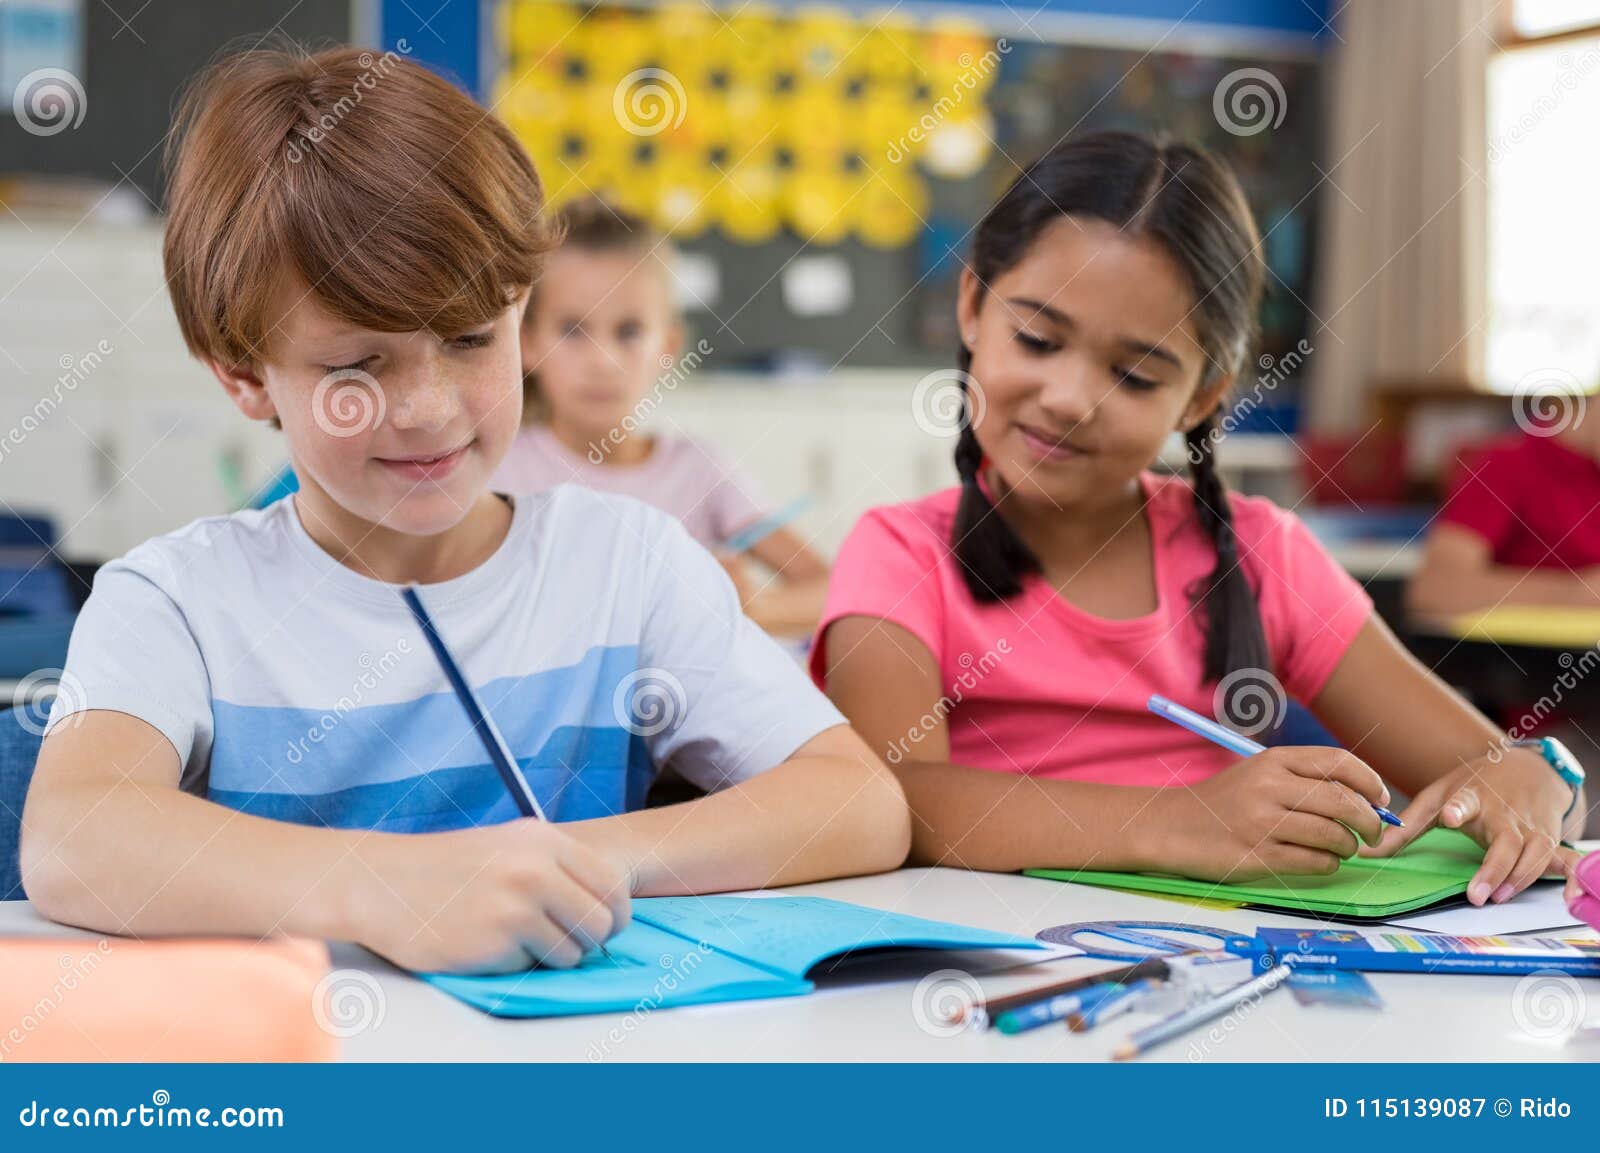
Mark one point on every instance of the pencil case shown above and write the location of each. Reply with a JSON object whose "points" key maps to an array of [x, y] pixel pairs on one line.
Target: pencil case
{"points": [[115, 999], [1586, 905]]}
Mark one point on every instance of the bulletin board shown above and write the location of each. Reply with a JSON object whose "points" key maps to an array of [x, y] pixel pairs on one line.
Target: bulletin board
{"points": [[763, 139]]}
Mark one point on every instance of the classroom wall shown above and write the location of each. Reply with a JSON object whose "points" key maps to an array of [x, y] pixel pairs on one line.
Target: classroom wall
{"points": [[136, 58]]}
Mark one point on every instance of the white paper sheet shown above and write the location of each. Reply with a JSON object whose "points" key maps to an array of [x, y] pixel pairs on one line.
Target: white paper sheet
{"points": [[1537, 908]]}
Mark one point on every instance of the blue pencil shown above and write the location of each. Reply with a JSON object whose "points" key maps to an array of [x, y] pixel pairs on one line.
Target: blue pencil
{"points": [[1230, 740], [482, 723], [753, 534]]}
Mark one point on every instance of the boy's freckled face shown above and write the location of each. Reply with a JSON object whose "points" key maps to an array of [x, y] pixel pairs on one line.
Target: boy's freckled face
{"points": [[596, 334], [398, 429], [1086, 358]]}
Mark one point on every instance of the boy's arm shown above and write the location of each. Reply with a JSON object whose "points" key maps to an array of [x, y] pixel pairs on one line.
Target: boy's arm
{"points": [[110, 842], [1458, 575], [830, 810]]}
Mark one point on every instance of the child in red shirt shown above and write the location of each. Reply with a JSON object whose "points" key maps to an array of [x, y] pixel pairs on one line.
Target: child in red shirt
{"points": [[1521, 526]]}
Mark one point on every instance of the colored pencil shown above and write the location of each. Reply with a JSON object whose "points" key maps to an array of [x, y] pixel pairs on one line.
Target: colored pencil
{"points": [[1230, 740], [489, 734], [1185, 1019]]}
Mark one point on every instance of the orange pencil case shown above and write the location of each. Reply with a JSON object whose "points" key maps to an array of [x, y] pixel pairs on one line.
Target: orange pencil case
{"points": [[114, 999]]}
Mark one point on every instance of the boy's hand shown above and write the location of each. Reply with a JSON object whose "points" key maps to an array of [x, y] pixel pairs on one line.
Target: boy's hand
{"points": [[1283, 811], [1514, 809], [489, 900]]}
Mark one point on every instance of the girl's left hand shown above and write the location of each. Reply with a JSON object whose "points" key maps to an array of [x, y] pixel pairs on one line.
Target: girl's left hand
{"points": [[1513, 808]]}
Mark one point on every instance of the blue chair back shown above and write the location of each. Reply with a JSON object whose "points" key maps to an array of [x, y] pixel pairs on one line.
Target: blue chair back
{"points": [[19, 749]]}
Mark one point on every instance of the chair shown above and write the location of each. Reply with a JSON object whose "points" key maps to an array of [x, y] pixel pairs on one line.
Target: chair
{"points": [[19, 749]]}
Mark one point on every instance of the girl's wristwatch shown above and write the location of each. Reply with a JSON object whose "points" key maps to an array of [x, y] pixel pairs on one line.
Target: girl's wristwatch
{"points": [[1559, 758]]}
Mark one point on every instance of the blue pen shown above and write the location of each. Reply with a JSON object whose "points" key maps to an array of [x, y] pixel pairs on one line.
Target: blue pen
{"points": [[1114, 1002], [1025, 1017], [482, 723], [1230, 740]]}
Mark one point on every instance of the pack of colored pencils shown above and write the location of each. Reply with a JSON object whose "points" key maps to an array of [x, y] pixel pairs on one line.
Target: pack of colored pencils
{"points": [[1397, 951]]}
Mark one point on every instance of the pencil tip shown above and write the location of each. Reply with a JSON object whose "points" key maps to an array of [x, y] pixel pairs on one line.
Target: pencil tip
{"points": [[1123, 1051]]}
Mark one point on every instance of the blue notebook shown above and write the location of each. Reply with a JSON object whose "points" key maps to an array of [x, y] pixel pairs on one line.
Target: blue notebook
{"points": [[695, 950]]}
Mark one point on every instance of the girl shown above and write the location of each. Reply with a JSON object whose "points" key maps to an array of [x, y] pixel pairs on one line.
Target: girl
{"points": [[599, 327], [999, 640]]}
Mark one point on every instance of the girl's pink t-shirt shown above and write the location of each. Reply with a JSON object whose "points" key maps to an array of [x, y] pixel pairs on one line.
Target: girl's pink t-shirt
{"points": [[1037, 685]]}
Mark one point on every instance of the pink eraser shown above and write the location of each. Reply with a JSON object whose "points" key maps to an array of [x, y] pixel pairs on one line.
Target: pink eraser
{"points": [[1587, 904]]}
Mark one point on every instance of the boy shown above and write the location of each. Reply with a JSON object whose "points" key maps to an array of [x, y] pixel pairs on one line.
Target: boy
{"points": [[256, 737]]}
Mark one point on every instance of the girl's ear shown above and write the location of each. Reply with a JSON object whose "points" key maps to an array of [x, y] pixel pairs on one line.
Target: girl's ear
{"points": [[245, 389], [969, 298], [1204, 402], [672, 341]]}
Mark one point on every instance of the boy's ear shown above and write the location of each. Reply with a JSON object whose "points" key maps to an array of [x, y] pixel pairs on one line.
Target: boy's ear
{"points": [[1205, 401], [245, 389]]}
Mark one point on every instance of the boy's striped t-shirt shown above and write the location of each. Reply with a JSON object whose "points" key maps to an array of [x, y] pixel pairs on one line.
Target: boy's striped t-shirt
{"points": [[604, 642]]}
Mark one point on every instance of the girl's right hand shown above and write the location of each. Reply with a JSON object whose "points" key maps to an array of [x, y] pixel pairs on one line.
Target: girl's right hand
{"points": [[1283, 811], [495, 899]]}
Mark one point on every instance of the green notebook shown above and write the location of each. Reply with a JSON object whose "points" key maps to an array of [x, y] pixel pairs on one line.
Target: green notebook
{"points": [[1433, 869]]}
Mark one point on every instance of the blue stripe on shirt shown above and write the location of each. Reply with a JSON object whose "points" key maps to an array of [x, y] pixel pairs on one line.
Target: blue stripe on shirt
{"points": [[417, 765], [579, 774]]}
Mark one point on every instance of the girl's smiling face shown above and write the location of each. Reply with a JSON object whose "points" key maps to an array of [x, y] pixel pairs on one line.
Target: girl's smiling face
{"points": [[1085, 358]]}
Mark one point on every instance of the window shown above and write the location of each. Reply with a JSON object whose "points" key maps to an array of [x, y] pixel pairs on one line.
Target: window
{"points": [[1543, 217]]}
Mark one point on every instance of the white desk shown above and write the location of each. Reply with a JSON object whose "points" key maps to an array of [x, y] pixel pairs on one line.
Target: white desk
{"points": [[1429, 1018]]}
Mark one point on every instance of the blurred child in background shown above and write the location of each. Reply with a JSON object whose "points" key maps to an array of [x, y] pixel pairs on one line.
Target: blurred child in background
{"points": [[599, 336], [1521, 526]]}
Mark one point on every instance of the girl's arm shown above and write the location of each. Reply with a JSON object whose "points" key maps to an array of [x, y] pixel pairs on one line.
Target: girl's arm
{"points": [[1284, 811], [1461, 771], [1458, 575], [789, 603], [830, 810]]}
